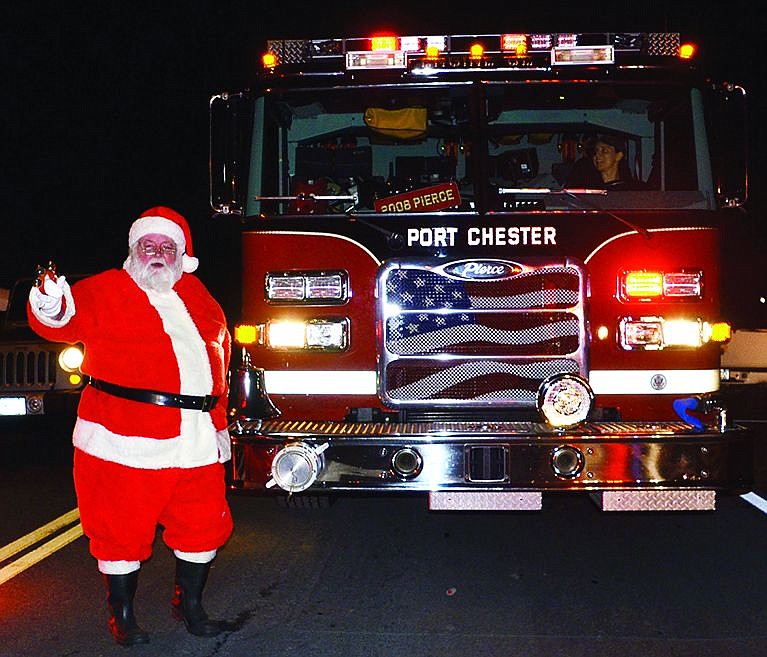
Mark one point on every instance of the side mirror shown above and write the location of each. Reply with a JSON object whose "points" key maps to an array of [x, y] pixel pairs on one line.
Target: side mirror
{"points": [[231, 120], [728, 134]]}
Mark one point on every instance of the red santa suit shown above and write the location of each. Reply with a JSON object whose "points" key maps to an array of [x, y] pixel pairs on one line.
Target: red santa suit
{"points": [[136, 463]]}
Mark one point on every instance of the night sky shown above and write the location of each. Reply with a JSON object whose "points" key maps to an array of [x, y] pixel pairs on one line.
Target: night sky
{"points": [[106, 103]]}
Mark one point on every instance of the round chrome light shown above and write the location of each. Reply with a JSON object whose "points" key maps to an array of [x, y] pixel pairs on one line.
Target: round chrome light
{"points": [[34, 405], [406, 462], [564, 400], [567, 461], [70, 359], [296, 466]]}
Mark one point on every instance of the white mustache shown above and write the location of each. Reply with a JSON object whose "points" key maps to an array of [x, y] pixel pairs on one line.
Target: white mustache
{"points": [[149, 276]]}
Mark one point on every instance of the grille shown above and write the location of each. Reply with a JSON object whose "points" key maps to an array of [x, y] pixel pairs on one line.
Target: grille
{"points": [[20, 369], [478, 342]]}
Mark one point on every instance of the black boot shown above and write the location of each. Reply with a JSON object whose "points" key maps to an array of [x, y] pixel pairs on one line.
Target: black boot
{"points": [[187, 602], [122, 623]]}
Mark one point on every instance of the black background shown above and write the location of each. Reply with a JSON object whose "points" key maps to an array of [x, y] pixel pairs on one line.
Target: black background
{"points": [[106, 104]]}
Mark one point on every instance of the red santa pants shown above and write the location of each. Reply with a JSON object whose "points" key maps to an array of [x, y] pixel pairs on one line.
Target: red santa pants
{"points": [[120, 508]]}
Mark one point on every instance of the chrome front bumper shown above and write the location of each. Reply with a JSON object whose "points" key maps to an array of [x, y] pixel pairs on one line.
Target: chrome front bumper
{"points": [[496, 456]]}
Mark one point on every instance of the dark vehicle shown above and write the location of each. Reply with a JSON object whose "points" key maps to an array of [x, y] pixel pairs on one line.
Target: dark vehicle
{"points": [[37, 377], [484, 268]]}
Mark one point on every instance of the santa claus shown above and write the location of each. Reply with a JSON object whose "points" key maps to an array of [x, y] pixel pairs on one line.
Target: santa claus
{"points": [[150, 438]]}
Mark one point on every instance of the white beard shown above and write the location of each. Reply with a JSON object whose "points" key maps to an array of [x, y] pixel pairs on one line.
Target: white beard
{"points": [[148, 276]]}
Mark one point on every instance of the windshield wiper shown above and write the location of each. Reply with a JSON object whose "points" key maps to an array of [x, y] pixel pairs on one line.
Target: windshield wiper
{"points": [[311, 197], [575, 195]]}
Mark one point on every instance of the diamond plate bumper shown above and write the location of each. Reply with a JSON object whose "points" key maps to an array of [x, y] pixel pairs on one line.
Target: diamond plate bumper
{"points": [[656, 500], [484, 501]]}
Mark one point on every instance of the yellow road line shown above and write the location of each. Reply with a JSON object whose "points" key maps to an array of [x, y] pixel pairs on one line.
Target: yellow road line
{"points": [[40, 553], [38, 534]]}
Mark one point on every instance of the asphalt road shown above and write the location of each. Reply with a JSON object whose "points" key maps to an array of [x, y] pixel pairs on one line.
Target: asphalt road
{"points": [[386, 577]]}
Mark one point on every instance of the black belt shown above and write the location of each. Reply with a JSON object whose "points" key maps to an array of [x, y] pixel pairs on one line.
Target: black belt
{"points": [[206, 403]]}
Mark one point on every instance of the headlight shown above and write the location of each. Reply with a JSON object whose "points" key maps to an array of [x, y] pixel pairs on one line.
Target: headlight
{"points": [[286, 335], [307, 287], [315, 334], [70, 359], [652, 333]]}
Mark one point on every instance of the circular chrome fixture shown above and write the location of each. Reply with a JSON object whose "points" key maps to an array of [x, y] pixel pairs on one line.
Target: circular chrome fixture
{"points": [[406, 463], [564, 400], [34, 405], [296, 466], [567, 461]]}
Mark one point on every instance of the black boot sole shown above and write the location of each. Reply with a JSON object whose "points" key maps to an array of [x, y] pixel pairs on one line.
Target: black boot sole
{"points": [[132, 639], [210, 631]]}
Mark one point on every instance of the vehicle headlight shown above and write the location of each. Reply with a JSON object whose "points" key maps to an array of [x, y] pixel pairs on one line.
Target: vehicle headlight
{"points": [[307, 287], [70, 359], [319, 334], [661, 333]]}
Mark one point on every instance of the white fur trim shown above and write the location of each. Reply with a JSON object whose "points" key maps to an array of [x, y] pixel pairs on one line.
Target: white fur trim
{"points": [[196, 557], [189, 263], [152, 453], [156, 225], [69, 308], [118, 567], [188, 345]]}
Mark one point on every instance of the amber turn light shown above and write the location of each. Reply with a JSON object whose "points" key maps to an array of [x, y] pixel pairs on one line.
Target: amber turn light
{"points": [[687, 50], [269, 60]]}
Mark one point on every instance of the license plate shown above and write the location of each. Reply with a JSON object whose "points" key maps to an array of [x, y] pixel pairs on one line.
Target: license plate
{"points": [[13, 406]]}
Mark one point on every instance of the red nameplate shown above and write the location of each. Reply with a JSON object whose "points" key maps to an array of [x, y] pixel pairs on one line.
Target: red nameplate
{"points": [[426, 199]]}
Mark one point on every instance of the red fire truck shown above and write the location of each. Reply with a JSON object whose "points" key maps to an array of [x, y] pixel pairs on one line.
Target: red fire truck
{"points": [[483, 267]]}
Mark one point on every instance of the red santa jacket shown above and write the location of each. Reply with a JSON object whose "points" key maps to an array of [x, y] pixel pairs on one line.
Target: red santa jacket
{"points": [[174, 342]]}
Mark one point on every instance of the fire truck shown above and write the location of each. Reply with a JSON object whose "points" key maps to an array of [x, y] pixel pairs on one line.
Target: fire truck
{"points": [[447, 290]]}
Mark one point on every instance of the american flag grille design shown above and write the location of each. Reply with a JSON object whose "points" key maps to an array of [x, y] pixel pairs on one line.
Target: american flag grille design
{"points": [[491, 333], [417, 289], [475, 380], [474, 342]]}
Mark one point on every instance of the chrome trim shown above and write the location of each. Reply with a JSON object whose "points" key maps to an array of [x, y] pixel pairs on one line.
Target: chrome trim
{"points": [[400, 469], [305, 274], [570, 471], [440, 431], [357, 457], [512, 360]]}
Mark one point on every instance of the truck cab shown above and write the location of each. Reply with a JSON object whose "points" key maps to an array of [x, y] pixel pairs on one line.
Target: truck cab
{"points": [[443, 291]]}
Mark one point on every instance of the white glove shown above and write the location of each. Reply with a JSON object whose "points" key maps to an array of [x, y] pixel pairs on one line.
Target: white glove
{"points": [[48, 300]]}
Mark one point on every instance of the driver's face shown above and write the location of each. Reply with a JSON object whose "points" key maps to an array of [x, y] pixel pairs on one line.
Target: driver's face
{"points": [[606, 157]]}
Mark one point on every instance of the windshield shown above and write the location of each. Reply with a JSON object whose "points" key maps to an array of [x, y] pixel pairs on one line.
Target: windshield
{"points": [[469, 147]]}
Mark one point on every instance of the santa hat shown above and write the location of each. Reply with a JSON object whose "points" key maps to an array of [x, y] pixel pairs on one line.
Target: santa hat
{"points": [[164, 221]]}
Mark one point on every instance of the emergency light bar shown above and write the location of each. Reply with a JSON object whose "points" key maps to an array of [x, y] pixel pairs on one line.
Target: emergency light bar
{"points": [[499, 51]]}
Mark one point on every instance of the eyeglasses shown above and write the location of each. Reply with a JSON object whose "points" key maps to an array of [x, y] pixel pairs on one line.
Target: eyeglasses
{"points": [[150, 248]]}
